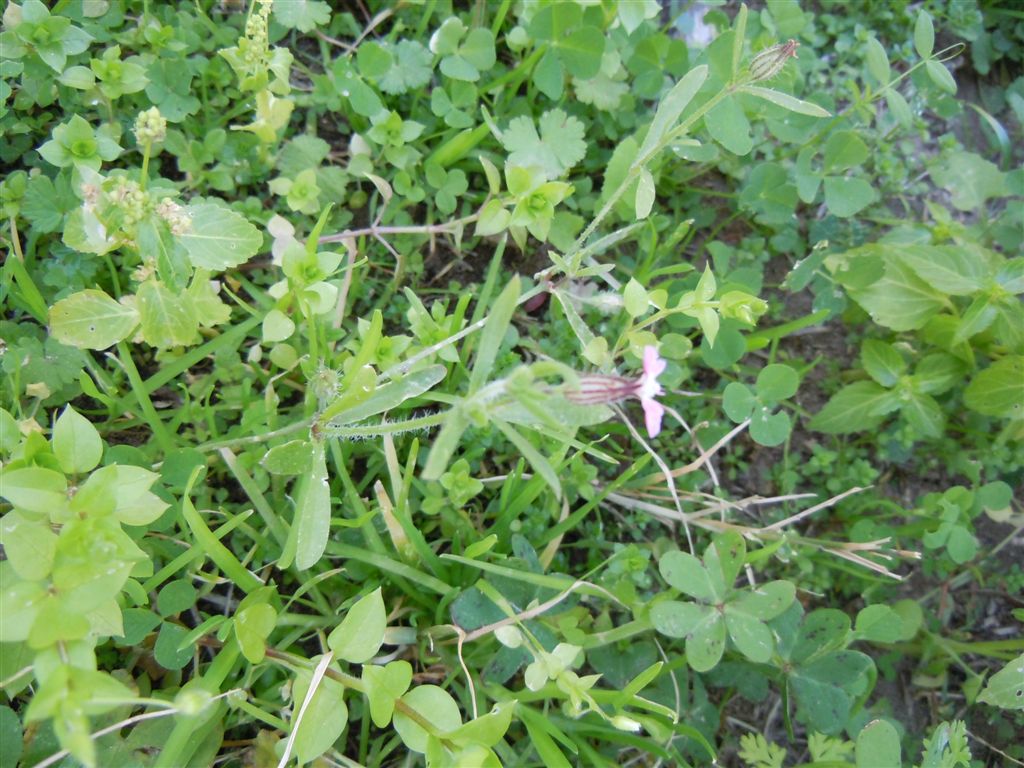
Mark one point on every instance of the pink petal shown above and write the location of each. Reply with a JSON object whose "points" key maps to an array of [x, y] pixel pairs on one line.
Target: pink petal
{"points": [[654, 366], [653, 413]]}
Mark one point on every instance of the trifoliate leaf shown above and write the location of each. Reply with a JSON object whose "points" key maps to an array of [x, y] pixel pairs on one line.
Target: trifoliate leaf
{"points": [[558, 148]]}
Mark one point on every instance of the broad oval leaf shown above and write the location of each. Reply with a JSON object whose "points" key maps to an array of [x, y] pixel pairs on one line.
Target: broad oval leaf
{"points": [[751, 636], [76, 443], [219, 238], [361, 632], [434, 704], [1006, 687], [675, 618], [878, 746], [34, 489], [90, 319], [999, 389], [686, 573], [324, 719]]}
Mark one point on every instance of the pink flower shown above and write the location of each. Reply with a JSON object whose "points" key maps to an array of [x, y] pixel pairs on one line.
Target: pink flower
{"points": [[599, 389], [649, 389]]}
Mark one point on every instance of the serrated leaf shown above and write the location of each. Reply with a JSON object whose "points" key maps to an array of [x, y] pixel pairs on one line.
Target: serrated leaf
{"points": [[882, 362], [999, 389], [557, 148], [303, 15], [219, 238], [90, 319]]}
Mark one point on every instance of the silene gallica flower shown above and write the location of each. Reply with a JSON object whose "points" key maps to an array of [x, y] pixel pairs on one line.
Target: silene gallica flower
{"points": [[601, 389]]}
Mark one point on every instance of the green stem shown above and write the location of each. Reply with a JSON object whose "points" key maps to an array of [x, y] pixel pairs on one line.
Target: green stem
{"points": [[144, 171], [142, 396]]}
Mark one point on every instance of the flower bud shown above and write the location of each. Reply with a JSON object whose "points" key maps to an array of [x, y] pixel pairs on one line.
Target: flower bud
{"points": [[768, 63], [150, 127]]}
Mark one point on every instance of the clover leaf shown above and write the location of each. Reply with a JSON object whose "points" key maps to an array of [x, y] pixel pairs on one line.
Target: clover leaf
{"points": [[463, 60], [826, 680], [767, 426], [722, 610]]}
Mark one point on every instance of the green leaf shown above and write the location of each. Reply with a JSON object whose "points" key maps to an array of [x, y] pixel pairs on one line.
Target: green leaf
{"points": [[90, 319], [389, 396], [706, 643], [954, 270], [766, 601], [970, 179], [645, 194], [1005, 689], [854, 408], [678, 619], [167, 651], [11, 737], [76, 443], [581, 52], [324, 719], [999, 389], [176, 597], [723, 560], [167, 319], [361, 633], [486, 730], [313, 513], [492, 334], [940, 76], [844, 150], [728, 125], [738, 401], [924, 415], [882, 362], [634, 298], [898, 298], [924, 34], [825, 689], [383, 686], [292, 458], [549, 75], [671, 107], [436, 706], [29, 544], [34, 489], [751, 636], [821, 633], [878, 746], [303, 15], [877, 61], [786, 101], [777, 382], [558, 147], [769, 429], [219, 238], [845, 197], [253, 624], [686, 573], [879, 624]]}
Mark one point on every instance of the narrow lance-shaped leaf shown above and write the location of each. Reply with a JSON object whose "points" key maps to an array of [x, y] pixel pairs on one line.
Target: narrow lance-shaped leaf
{"points": [[672, 106], [492, 334], [313, 514], [786, 101]]}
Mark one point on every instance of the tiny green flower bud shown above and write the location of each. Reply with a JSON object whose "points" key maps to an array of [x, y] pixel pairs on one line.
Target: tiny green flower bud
{"points": [[150, 127], [768, 63]]}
